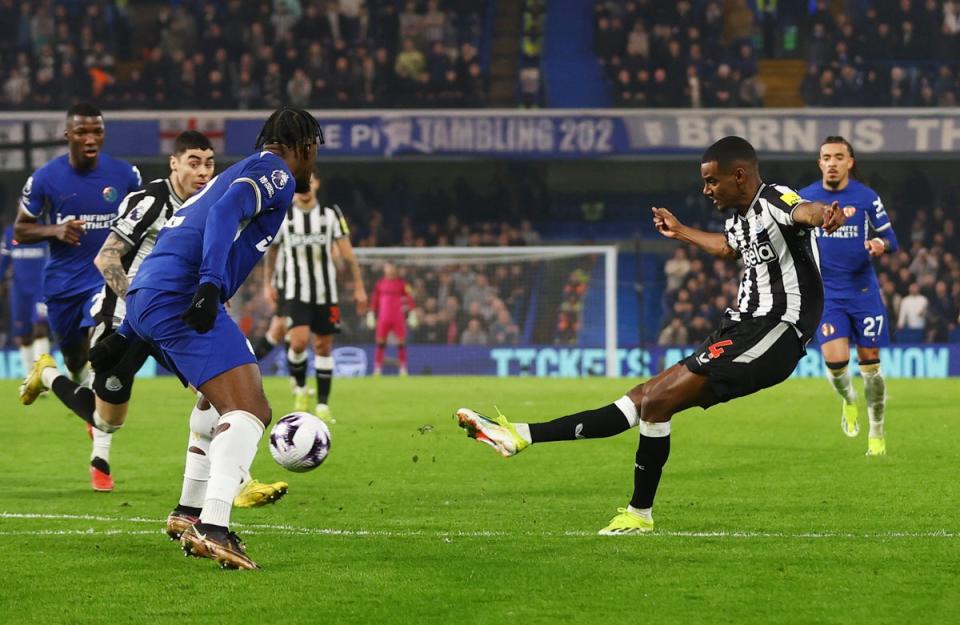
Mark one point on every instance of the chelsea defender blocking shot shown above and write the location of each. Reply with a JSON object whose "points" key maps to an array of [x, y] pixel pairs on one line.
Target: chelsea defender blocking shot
{"points": [[176, 304], [853, 307]]}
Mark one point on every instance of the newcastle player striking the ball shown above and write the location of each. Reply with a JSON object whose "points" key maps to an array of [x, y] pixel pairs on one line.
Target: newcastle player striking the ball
{"points": [[756, 346]]}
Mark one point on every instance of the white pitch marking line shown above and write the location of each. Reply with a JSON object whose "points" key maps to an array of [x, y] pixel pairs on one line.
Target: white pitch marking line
{"points": [[268, 529]]}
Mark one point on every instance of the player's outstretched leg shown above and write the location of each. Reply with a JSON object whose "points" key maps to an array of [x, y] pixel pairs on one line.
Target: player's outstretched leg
{"points": [[323, 370], [237, 395], [875, 390]]}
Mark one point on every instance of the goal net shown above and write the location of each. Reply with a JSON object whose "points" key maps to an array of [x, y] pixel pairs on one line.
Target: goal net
{"points": [[541, 311]]}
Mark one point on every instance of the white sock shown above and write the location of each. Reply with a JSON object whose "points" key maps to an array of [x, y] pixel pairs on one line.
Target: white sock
{"points": [[840, 379], [523, 430], [48, 375], [26, 357], [196, 470], [102, 425], [101, 445], [231, 454], [875, 392], [41, 346], [646, 513]]}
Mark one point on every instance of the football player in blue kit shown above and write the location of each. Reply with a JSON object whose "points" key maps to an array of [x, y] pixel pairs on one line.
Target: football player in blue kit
{"points": [[71, 202], [176, 304], [853, 308], [28, 315]]}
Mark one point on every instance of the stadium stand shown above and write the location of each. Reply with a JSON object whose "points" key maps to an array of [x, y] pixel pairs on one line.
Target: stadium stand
{"points": [[346, 53]]}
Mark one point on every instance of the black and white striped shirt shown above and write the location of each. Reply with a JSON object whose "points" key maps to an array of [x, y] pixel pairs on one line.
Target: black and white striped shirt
{"points": [[141, 216], [305, 271], [781, 273]]}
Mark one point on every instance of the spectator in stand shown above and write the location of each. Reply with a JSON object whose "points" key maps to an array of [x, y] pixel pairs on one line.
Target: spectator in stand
{"points": [[675, 333], [913, 310]]}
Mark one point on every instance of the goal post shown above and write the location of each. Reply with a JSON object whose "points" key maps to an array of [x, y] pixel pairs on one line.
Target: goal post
{"points": [[557, 303]]}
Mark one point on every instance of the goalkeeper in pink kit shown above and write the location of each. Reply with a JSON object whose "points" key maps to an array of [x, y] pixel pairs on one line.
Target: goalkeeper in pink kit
{"points": [[392, 303]]}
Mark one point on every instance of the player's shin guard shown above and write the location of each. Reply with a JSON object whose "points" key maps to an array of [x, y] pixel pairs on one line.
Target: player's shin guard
{"points": [[652, 454], [839, 377], [231, 454], [608, 420], [196, 469], [297, 364], [324, 372], [875, 391]]}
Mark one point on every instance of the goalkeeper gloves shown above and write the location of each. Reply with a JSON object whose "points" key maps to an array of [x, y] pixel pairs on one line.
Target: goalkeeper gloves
{"points": [[105, 355], [371, 320], [202, 312], [412, 320]]}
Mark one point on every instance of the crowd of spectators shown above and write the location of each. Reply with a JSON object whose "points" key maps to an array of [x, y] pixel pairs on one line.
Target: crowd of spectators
{"points": [[896, 53], [920, 286], [244, 54], [678, 54]]}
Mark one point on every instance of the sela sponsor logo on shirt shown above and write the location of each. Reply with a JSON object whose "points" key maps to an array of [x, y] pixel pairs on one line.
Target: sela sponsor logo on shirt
{"points": [[758, 254], [315, 238]]}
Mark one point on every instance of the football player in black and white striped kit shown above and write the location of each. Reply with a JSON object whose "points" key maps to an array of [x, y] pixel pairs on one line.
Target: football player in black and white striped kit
{"points": [[757, 345], [300, 277]]}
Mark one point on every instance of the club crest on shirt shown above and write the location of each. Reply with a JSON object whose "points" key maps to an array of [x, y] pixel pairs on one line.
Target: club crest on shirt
{"points": [[279, 178], [849, 211], [110, 194]]}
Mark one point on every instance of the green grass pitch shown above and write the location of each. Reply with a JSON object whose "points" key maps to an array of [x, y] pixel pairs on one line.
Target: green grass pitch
{"points": [[766, 514]]}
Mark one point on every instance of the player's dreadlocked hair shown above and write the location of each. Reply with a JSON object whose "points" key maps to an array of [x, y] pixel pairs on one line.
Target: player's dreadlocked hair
{"points": [[292, 127], [839, 139], [728, 150]]}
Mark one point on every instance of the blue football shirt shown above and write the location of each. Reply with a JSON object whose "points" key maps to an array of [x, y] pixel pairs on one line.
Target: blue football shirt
{"points": [[59, 193], [844, 261], [220, 234]]}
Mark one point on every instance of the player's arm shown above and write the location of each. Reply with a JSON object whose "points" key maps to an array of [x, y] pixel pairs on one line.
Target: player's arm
{"points": [[819, 215], [109, 262], [713, 243], [886, 239], [27, 227], [359, 292], [269, 264]]}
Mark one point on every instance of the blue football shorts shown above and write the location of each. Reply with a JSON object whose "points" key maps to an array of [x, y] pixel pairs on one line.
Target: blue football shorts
{"points": [[862, 319], [195, 358], [71, 317]]}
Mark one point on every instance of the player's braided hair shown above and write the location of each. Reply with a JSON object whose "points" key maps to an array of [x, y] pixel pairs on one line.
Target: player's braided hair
{"points": [[839, 139], [292, 127]]}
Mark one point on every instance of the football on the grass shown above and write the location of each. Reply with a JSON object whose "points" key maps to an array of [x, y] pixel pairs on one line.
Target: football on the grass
{"points": [[300, 442]]}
